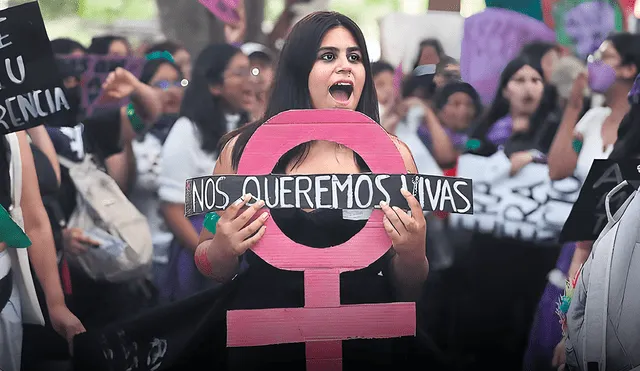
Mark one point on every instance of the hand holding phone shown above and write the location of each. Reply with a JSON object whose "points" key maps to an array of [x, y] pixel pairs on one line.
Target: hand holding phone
{"points": [[76, 242]]}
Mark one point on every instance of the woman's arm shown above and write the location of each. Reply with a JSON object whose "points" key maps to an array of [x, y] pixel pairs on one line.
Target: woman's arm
{"points": [[178, 163], [146, 100], [222, 262], [581, 254], [562, 158], [42, 253], [122, 168], [36, 222], [443, 150], [41, 139], [409, 265]]}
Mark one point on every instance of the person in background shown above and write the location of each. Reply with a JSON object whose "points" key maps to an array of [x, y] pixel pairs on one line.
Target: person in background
{"points": [[383, 74], [110, 45], [446, 71], [579, 141], [68, 47], [216, 101], [546, 331], [430, 51], [41, 256], [497, 280], [414, 110], [519, 119], [564, 74], [166, 77], [543, 55], [181, 57], [262, 65], [104, 135], [457, 105]]}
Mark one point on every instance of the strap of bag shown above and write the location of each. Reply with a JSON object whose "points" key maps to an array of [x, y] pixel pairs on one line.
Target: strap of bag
{"points": [[15, 170], [607, 200], [6, 287], [68, 163], [597, 303]]}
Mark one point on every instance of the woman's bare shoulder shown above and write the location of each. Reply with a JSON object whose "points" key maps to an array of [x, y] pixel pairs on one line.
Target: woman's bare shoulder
{"points": [[405, 152]]}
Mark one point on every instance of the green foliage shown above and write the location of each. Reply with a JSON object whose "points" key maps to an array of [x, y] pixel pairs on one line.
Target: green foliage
{"points": [[104, 11], [111, 10]]}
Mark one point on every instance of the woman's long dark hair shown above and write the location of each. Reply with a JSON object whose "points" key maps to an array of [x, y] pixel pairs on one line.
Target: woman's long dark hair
{"points": [[205, 110], [535, 51], [291, 87], [435, 44], [100, 45], [500, 106], [539, 125], [151, 67], [66, 46], [628, 143]]}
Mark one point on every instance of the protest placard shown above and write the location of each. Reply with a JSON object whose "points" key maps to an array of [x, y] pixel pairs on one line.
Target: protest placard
{"points": [[582, 25], [330, 191], [401, 34], [224, 10], [588, 216], [93, 71], [527, 206], [491, 39], [30, 84]]}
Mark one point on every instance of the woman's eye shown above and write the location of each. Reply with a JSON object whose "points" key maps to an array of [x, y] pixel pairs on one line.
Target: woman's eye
{"points": [[354, 57], [327, 57]]}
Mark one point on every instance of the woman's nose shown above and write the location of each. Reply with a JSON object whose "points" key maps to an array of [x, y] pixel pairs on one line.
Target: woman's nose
{"points": [[344, 66]]}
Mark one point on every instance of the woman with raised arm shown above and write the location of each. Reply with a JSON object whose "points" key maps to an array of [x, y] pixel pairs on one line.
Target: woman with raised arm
{"points": [[324, 65]]}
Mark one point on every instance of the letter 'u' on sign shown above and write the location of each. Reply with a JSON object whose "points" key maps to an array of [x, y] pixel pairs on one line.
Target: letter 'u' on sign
{"points": [[323, 323]]}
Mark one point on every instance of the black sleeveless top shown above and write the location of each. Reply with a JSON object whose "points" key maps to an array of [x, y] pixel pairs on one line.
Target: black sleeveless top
{"points": [[264, 286]]}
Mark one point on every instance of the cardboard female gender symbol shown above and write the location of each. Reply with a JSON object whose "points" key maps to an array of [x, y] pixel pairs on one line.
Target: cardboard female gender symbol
{"points": [[323, 323]]}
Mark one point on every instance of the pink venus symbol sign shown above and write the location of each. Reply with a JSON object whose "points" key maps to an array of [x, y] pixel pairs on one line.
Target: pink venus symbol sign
{"points": [[323, 323]]}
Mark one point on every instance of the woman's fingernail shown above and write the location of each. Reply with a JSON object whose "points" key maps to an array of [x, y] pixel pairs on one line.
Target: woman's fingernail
{"points": [[260, 203], [248, 197], [404, 192], [264, 216], [239, 201], [383, 204]]}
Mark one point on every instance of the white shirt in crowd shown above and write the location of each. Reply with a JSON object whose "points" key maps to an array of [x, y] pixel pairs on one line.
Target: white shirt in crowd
{"points": [[407, 131], [590, 127], [144, 194]]}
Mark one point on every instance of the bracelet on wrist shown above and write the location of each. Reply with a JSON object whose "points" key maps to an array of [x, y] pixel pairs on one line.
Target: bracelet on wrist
{"points": [[136, 122]]}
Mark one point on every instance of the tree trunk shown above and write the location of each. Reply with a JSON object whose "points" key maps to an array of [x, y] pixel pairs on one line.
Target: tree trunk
{"points": [[446, 5], [189, 23], [255, 16]]}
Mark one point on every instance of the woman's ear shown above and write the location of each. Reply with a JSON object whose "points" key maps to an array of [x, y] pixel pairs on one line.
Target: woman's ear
{"points": [[215, 90], [629, 72], [505, 93]]}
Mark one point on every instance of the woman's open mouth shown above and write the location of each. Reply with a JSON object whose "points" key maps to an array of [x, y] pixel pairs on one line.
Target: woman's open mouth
{"points": [[341, 91]]}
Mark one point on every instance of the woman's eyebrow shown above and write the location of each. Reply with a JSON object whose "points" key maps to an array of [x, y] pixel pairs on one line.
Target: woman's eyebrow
{"points": [[333, 49]]}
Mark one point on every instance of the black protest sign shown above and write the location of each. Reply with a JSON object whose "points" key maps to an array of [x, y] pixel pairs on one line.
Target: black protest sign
{"points": [[330, 191], [588, 217], [92, 70], [30, 84]]}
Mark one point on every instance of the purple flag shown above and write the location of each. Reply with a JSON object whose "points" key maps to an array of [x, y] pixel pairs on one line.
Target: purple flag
{"points": [[224, 10], [491, 39]]}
